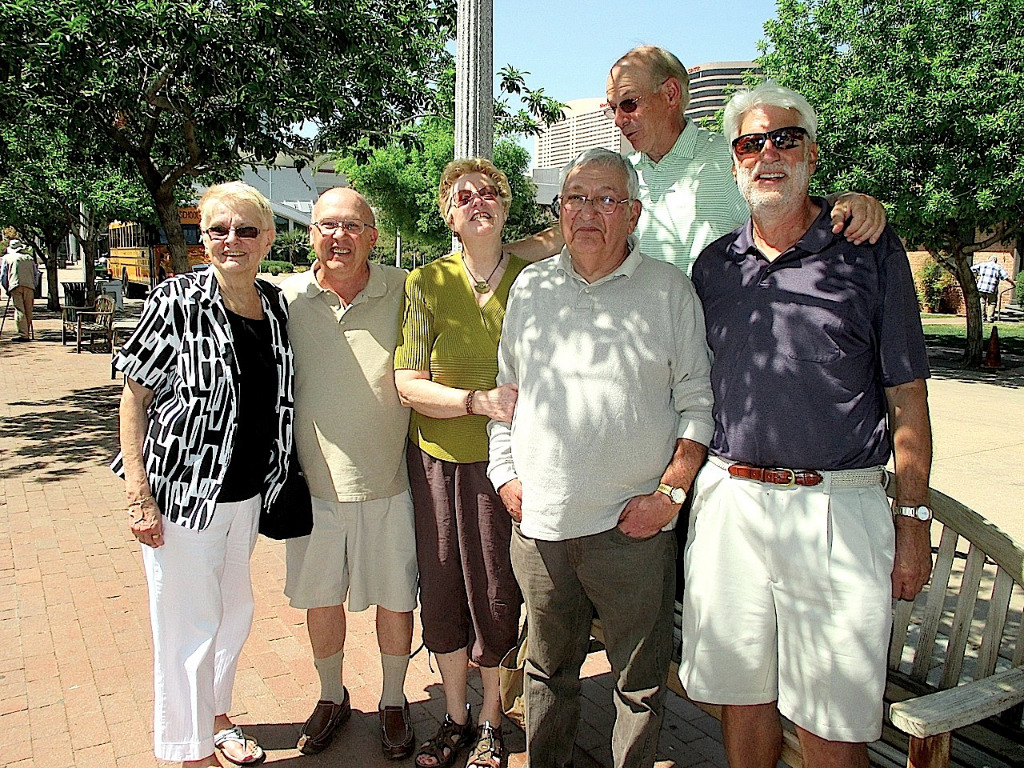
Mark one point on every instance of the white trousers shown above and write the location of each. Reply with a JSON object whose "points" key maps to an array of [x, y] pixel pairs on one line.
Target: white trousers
{"points": [[201, 608]]}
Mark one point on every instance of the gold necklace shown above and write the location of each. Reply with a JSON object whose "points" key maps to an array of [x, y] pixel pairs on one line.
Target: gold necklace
{"points": [[483, 286]]}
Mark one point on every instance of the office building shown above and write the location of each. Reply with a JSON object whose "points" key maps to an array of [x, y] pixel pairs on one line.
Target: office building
{"points": [[712, 84]]}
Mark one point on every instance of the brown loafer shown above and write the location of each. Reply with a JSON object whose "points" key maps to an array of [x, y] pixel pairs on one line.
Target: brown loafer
{"points": [[320, 727], [397, 738]]}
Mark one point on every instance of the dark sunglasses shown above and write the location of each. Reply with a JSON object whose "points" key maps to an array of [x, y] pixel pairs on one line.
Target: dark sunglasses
{"points": [[242, 233], [464, 197], [782, 138]]}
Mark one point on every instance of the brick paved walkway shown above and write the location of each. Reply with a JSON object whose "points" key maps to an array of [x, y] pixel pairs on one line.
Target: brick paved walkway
{"points": [[75, 646]]}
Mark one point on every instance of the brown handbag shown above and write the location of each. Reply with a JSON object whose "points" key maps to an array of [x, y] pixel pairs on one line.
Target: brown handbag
{"points": [[511, 676]]}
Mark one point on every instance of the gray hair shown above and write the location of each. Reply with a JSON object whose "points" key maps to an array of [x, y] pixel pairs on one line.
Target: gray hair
{"points": [[768, 94], [605, 158], [659, 66]]}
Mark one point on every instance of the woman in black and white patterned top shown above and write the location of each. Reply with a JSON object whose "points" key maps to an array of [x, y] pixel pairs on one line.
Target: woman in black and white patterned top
{"points": [[206, 432]]}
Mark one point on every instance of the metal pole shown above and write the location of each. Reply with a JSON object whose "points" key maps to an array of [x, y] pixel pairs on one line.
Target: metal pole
{"points": [[474, 81]]}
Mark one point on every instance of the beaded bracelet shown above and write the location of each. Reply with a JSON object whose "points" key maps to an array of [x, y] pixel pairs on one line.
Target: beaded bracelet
{"points": [[469, 402]]}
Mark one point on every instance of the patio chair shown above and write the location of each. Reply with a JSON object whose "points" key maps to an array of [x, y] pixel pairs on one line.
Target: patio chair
{"points": [[89, 323]]}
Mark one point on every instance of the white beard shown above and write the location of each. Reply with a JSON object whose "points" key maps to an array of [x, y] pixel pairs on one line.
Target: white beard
{"points": [[787, 195]]}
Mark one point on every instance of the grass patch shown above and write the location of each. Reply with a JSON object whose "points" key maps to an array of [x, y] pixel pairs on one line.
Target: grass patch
{"points": [[1011, 336]]}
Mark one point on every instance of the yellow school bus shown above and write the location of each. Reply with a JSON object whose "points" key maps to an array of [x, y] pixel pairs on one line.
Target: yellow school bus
{"points": [[139, 255]]}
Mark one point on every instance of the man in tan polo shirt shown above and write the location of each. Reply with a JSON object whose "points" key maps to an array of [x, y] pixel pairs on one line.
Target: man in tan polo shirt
{"points": [[350, 429]]}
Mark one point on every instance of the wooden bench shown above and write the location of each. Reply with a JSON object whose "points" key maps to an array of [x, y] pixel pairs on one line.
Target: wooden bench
{"points": [[89, 323], [955, 686]]}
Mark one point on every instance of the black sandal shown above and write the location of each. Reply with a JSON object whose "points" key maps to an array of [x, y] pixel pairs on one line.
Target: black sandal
{"points": [[489, 748], [450, 738]]}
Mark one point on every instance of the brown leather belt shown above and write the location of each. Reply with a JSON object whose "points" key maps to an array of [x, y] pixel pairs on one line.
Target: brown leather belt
{"points": [[789, 478], [776, 475]]}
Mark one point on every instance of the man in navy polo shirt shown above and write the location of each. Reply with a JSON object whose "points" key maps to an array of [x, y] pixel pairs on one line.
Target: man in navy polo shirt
{"points": [[819, 376]]}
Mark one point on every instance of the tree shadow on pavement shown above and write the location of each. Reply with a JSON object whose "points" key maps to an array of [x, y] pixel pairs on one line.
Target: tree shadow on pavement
{"points": [[61, 436], [946, 364]]}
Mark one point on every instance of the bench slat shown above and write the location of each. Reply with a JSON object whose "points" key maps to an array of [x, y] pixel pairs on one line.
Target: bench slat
{"points": [[933, 606], [995, 623], [957, 707], [962, 618], [1003, 550], [900, 628], [1018, 652]]}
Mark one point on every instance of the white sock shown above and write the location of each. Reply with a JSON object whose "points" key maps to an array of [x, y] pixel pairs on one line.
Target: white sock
{"points": [[330, 669], [394, 668]]}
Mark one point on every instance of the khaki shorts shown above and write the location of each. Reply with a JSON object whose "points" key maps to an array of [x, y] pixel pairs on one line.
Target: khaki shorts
{"points": [[789, 598], [362, 550]]}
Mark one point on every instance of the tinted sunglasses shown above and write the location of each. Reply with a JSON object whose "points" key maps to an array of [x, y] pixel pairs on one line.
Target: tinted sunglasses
{"points": [[464, 197], [242, 233], [782, 138], [626, 107]]}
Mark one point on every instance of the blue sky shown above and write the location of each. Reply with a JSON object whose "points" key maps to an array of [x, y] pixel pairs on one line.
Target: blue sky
{"points": [[568, 47]]}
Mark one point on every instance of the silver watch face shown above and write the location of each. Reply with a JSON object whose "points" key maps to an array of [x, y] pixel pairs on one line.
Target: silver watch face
{"points": [[678, 495], [921, 512]]}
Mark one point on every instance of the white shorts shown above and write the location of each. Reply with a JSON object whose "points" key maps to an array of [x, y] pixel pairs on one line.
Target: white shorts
{"points": [[789, 598], [365, 550]]}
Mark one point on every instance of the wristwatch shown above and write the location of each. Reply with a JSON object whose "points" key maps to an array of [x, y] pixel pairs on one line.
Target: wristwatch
{"points": [[678, 495], [921, 512]]}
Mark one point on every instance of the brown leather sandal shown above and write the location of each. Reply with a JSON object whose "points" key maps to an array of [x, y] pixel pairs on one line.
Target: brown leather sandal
{"points": [[489, 748], [444, 747]]}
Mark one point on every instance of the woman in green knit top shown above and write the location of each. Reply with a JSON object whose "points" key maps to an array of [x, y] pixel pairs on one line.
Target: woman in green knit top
{"points": [[445, 370]]}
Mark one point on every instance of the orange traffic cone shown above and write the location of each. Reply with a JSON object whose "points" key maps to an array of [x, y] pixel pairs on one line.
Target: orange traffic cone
{"points": [[992, 357]]}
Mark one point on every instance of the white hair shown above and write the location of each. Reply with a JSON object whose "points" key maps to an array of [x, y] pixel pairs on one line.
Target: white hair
{"points": [[768, 94], [608, 159]]}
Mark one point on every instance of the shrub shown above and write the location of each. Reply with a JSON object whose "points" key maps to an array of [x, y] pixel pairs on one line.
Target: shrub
{"points": [[275, 267], [292, 247], [935, 284]]}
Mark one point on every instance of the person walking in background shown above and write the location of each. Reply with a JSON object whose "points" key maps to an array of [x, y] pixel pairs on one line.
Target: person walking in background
{"points": [[19, 275], [445, 369], [206, 433], [350, 428], [988, 276]]}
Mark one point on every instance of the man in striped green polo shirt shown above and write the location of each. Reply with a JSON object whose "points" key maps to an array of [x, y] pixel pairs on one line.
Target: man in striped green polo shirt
{"points": [[687, 189]]}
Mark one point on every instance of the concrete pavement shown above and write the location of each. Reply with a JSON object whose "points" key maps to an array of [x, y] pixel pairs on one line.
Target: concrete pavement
{"points": [[75, 646]]}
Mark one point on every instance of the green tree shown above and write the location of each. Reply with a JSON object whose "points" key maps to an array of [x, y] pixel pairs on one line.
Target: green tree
{"points": [[292, 247], [188, 90], [54, 187], [919, 105], [400, 181], [401, 178]]}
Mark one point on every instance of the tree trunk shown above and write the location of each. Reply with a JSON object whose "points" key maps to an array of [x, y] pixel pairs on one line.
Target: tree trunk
{"points": [[86, 237], [167, 210], [51, 242], [974, 351]]}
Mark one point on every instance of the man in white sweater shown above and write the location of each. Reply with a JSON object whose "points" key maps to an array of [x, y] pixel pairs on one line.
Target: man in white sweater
{"points": [[607, 349]]}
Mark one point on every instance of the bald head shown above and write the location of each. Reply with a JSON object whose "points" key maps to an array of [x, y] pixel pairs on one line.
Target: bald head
{"points": [[341, 252], [349, 198]]}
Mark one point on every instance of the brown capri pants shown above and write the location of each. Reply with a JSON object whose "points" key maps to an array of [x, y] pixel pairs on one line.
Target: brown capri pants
{"points": [[468, 595]]}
